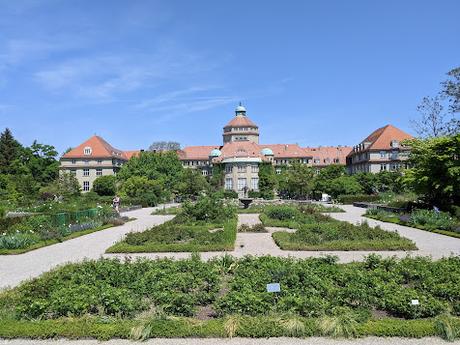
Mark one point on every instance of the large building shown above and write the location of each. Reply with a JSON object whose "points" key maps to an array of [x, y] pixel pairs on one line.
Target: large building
{"points": [[93, 158], [382, 150], [241, 153]]}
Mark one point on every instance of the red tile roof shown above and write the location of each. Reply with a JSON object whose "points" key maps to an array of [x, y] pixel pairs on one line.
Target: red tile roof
{"points": [[240, 121], [129, 154], [328, 154], [196, 152], [286, 150], [381, 138], [251, 149], [99, 149]]}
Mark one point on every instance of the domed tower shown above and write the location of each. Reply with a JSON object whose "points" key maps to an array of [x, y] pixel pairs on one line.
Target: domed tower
{"points": [[241, 128]]}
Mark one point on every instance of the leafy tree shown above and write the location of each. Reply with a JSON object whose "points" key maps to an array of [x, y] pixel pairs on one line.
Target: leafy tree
{"points": [[297, 181], [327, 174], [435, 169], [451, 89], [439, 113], [367, 181], [164, 166], [267, 180], [10, 150], [192, 183], [389, 181], [159, 146], [149, 191], [217, 177], [40, 161], [105, 185], [343, 185], [64, 186]]}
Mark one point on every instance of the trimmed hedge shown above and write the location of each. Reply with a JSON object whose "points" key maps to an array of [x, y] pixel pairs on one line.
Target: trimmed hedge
{"points": [[350, 199]]}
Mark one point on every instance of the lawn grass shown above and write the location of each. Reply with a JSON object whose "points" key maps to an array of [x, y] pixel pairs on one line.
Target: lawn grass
{"points": [[315, 231], [46, 243], [172, 237]]}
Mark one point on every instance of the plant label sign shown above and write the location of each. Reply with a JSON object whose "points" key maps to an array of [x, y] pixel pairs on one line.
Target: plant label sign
{"points": [[415, 302], [273, 287]]}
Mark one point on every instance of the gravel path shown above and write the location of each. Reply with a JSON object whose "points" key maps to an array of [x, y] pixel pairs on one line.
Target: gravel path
{"points": [[241, 341], [258, 244], [16, 268]]}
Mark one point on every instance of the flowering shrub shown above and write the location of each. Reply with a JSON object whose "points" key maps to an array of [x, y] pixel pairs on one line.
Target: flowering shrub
{"points": [[432, 220]]}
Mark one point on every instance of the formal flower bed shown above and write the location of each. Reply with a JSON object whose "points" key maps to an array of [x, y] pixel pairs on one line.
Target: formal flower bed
{"points": [[430, 220], [228, 297], [21, 234], [207, 225], [315, 231]]}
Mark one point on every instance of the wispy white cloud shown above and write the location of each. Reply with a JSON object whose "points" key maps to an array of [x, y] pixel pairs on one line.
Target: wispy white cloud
{"points": [[171, 105]]}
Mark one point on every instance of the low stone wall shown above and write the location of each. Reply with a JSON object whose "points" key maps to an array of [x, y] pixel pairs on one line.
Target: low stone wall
{"points": [[379, 206]]}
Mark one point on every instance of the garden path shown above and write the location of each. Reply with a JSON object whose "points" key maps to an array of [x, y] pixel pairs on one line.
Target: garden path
{"points": [[16, 268], [258, 244]]}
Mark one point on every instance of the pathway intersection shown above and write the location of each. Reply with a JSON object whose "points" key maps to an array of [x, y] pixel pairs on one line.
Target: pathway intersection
{"points": [[16, 268]]}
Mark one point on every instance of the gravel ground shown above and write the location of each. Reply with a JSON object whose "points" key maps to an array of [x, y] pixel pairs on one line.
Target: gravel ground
{"points": [[16, 268], [240, 341]]}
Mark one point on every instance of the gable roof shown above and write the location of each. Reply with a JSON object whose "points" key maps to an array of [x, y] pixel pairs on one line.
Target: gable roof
{"points": [[286, 150], [99, 149], [196, 152], [381, 138]]}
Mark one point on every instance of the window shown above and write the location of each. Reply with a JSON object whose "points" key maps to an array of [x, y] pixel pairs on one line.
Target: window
{"points": [[99, 161], [86, 172], [85, 186], [241, 168], [241, 183], [74, 161], [98, 172], [383, 167], [255, 183], [228, 183], [382, 154], [204, 172], [73, 171], [254, 168], [228, 169], [87, 151], [278, 171]]}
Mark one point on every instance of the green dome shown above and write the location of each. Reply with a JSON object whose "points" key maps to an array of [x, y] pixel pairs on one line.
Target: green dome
{"points": [[215, 153], [267, 152]]}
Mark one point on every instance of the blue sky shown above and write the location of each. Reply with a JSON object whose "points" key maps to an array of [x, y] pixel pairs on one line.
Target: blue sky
{"points": [[134, 72]]}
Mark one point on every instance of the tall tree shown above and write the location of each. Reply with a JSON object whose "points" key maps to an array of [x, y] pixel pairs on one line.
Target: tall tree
{"points": [[10, 150], [433, 120], [435, 169], [297, 181], [267, 180], [192, 183], [159, 146]]}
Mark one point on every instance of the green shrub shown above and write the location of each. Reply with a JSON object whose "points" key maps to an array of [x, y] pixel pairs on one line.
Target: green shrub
{"points": [[18, 241], [207, 209], [432, 220], [349, 199], [282, 212]]}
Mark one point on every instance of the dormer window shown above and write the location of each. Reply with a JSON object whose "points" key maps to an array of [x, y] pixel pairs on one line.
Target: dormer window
{"points": [[87, 151], [394, 143]]}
